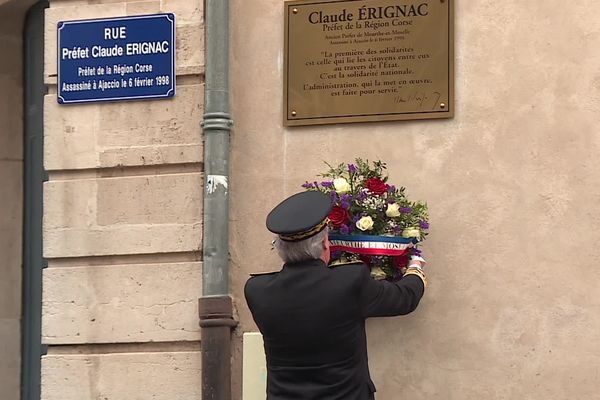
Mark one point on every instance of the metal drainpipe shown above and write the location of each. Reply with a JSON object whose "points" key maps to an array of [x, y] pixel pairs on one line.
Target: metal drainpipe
{"points": [[215, 305]]}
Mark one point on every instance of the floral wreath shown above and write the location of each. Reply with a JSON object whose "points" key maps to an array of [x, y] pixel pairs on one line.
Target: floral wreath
{"points": [[371, 220]]}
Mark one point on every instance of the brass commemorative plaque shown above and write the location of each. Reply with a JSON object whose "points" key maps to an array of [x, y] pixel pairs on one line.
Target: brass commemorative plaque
{"points": [[368, 60]]}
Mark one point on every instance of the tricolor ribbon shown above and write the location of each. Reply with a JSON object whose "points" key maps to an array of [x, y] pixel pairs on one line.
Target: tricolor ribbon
{"points": [[393, 246]]}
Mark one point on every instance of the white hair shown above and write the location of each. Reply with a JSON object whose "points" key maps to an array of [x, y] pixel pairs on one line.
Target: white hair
{"points": [[307, 249]]}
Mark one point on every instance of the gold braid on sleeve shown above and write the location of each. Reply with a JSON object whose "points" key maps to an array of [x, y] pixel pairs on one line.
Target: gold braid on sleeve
{"points": [[418, 272]]}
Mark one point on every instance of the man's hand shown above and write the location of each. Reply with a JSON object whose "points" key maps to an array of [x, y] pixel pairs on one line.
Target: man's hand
{"points": [[415, 267], [416, 262]]}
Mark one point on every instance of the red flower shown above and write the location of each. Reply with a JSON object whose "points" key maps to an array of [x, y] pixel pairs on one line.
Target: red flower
{"points": [[339, 216], [377, 186]]}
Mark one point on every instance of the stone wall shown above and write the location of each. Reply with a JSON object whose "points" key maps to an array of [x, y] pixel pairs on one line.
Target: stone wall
{"points": [[511, 182], [122, 227]]}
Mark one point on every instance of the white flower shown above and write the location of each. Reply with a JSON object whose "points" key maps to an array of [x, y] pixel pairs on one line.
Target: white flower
{"points": [[374, 203], [411, 231], [393, 210], [365, 223], [341, 185]]}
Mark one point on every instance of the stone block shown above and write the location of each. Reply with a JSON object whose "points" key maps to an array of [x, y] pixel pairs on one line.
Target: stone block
{"points": [[190, 49], [186, 11], [11, 115], [10, 354], [142, 239], [121, 303], [10, 272], [13, 14], [11, 231], [125, 134], [12, 44], [152, 155], [70, 3], [133, 215], [143, 7], [125, 376], [11, 195]]}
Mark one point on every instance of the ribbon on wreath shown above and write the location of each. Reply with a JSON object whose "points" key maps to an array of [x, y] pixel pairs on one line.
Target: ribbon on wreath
{"points": [[371, 245]]}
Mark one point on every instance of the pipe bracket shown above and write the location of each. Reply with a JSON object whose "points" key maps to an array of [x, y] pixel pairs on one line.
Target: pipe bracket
{"points": [[217, 121], [216, 311], [217, 322]]}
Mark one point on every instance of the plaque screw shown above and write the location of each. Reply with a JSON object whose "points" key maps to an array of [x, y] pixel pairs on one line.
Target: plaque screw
{"points": [[295, 11], [442, 105], [293, 113]]}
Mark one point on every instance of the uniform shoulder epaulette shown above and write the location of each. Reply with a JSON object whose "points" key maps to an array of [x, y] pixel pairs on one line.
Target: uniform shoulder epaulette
{"points": [[340, 264], [263, 273]]}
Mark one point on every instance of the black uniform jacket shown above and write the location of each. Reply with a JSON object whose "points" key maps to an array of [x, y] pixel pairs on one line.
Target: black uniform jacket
{"points": [[312, 319]]}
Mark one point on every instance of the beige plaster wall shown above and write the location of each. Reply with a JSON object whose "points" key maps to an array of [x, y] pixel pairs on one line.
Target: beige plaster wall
{"points": [[11, 195], [122, 227], [512, 185]]}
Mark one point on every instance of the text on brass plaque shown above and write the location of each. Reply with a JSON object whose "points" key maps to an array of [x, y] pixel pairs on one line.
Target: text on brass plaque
{"points": [[369, 60]]}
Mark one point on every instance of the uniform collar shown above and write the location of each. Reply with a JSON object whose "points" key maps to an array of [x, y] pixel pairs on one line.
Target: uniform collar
{"points": [[316, 262]]}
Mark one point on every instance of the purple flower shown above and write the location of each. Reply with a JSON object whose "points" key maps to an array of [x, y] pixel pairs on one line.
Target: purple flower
{"points": [[352, 168], [334, 196], [363, 195], [345, 201], [405, 210], [344, 230], [308, 185], [424, 224], [391, 189], [327, 184]]}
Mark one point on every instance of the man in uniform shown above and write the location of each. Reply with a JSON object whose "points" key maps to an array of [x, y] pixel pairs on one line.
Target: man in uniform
{"points": [[312, 317]]}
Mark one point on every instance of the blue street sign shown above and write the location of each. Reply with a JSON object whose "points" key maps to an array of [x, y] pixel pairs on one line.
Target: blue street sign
{"points": [[110, 59]]}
